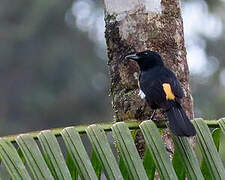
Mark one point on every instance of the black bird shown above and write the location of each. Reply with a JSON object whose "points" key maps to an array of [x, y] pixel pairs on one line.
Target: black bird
{"points": [[161, 89]]}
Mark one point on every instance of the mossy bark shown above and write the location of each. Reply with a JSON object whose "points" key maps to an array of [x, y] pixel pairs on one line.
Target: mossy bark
{"points": [[136, 29]]}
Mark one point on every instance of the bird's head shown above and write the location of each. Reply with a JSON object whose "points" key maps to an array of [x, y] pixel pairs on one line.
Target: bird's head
{"points": [[146, 59]]}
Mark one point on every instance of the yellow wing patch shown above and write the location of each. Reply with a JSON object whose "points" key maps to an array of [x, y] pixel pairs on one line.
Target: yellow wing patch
{"points": [[168, 91]]}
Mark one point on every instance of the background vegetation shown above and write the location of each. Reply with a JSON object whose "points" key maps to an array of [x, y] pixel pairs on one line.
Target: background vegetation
{"points": [[53, 64]]}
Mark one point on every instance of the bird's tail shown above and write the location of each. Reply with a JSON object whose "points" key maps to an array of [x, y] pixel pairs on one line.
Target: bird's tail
{"points": [[179, 123]]}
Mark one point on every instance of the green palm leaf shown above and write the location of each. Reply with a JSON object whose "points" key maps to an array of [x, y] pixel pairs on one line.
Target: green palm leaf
{"points": [[46, 161]]}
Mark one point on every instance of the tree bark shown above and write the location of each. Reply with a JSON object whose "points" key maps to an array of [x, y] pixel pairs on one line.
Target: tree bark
{"points": [[137, 25]]}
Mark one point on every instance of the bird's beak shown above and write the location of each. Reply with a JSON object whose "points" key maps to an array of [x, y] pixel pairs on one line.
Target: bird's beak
{"points": [[132, 56]]}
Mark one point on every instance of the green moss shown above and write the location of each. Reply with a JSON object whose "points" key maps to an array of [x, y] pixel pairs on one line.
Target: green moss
{"points": [[128, 93], [114, 118]]}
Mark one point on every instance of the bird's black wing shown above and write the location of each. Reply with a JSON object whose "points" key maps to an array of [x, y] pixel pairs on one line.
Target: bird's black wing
{"points": [[152, 85], [174, 83]]}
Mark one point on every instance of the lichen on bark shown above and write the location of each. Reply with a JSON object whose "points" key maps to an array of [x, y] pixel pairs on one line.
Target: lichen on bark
{"points": [[137, 30]]}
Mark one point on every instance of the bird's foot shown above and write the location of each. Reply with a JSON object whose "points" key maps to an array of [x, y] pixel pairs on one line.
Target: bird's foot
{"points": [[153, 116]]}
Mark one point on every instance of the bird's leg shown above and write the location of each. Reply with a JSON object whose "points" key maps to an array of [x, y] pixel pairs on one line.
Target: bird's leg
{"points": [[153, 115]]}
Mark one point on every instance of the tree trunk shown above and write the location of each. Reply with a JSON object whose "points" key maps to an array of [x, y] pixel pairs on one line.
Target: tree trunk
{"points": [[137, 25]]}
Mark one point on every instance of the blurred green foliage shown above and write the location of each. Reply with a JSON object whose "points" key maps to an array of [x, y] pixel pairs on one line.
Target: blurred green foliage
{"points": [[51, 75], [209, 91], [49, 71]]}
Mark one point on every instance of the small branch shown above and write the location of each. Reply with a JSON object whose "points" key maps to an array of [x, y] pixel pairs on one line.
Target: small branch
{"points": [[132, 125]]}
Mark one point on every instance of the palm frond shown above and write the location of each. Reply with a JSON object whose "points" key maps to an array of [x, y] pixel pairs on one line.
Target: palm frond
{"points": [[41, 157]]}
